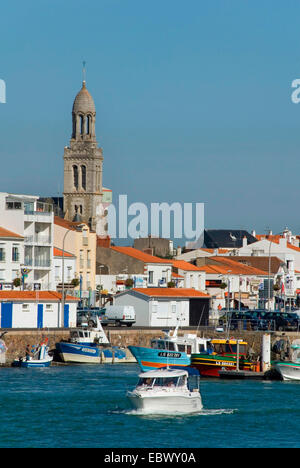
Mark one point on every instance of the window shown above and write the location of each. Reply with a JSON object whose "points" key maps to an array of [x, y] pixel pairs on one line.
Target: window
{"points": [[14, 274], [88, 124], [83, 177], [15, 254], [25, 307], [81, 124], [75, 176], [2, 275], [57, 272], [154, 308], [174, 307], [2, 254], [49, 308], [150, 277], [13, 205]]}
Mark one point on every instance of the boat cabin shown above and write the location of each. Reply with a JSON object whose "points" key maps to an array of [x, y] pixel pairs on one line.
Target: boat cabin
{"points": [[184, 344], [169, 379], [228, 347]]}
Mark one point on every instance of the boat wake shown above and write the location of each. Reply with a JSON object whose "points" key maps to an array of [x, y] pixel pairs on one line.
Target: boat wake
{"points": [[203, 412]]}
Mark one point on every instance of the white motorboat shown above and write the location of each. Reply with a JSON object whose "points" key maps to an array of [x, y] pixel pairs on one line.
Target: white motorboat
{"points": [[165, 391], [290, 370]]}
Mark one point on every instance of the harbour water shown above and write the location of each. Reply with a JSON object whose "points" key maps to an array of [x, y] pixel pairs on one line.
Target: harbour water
{"points": [[86, 406]]}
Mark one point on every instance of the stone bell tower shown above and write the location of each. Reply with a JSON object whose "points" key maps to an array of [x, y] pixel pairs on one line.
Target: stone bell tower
{"points": [[83, 161]]}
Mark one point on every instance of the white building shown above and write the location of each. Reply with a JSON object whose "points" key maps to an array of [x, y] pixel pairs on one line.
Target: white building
{"points": [[11, 257], [193, 276], [36, 309], [69, 261], [165, 307], [27, 216]]}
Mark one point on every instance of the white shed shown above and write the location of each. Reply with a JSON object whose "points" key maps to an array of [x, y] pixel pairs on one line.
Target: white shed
{"points": [[164, 307]]}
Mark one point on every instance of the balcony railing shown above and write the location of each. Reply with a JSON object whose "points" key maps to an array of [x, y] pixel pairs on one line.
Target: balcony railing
{"points": [[41, 240], [42, 263]]}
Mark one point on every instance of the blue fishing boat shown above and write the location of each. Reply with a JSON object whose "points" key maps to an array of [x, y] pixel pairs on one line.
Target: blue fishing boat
{"points": [[89, 346], [39, 357], [170, 351]]}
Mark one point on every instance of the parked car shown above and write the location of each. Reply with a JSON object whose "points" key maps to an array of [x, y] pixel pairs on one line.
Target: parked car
{"points": [[88, 317], [118, 315], [261, 320]]}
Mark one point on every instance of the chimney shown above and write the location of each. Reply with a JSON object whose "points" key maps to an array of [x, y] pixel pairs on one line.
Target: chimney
{"points": [[282, 242], [245, 241]]}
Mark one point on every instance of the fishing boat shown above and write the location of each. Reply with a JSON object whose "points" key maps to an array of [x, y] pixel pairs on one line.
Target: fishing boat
{"points": [[90, 346], [290, 370], [167, 391], [39, 358], [171, 350], [224, 355]]}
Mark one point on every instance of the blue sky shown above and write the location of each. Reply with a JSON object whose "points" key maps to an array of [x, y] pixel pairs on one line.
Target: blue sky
{"points": [[193, 101]]}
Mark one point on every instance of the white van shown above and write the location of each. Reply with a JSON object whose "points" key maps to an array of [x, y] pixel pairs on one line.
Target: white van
{"points": [[118, 315]]}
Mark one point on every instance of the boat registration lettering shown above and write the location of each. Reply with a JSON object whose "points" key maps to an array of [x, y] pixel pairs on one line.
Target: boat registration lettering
{"points": [[223, 363], [169, 354], [87, 350]]}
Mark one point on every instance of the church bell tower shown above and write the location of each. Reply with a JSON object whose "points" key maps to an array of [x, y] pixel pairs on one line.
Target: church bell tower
{"points": [[83, 161]]}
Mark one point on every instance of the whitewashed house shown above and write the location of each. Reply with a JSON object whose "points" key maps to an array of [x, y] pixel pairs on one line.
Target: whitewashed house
{"points": [[36, 309], [32, 219], [11, 257], [69, 261]]}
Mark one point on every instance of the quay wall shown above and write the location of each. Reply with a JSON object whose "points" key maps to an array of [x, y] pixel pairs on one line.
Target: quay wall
{"points": [[17, 340]]}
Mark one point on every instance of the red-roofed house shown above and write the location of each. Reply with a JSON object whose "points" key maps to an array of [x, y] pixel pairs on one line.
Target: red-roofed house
{"points": [[69, 267], [11, 257], [165, 307], [36, 309], [119, 260]]}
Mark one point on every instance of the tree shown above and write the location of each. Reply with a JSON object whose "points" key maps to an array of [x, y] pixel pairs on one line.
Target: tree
{"points": [[75, 282], [17, 282]]}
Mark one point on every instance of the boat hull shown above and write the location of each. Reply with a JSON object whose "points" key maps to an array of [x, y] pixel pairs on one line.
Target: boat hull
{"points": [[211, 365], [151, 359], [288, 370], [87, 354], [32, 363], [166, 404]]}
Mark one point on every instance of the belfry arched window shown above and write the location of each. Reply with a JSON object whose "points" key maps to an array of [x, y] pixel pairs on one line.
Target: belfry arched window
{"points": [[83, 177], [81, 122], [75, 176], [88, 124]]}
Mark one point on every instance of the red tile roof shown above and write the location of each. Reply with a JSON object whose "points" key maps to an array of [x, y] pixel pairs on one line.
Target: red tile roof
{"points": [[225, 265], [58, 253], [66, 224], [175, 275], [276, 238], [139, 255], [170, 292], [6, 233], [183, 265], [34, 296]]}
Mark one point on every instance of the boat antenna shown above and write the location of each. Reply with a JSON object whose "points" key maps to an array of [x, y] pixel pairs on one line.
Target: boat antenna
{"points": [[199, 321]]}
